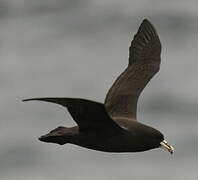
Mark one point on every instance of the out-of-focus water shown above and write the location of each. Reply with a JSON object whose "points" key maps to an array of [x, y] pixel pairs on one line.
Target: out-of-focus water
{"points": [[77, 49]]}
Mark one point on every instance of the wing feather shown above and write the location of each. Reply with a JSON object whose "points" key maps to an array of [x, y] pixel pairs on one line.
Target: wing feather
{"points": [[144, 63], [89, 115]]}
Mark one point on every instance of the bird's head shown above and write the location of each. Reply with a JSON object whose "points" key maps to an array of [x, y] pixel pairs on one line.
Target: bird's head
{"points": [[155, 139]]}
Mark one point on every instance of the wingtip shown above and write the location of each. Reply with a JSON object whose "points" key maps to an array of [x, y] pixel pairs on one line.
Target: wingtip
{"points": [[60, 101], [145, 20], [148, 23], [23, 100], [146, 28], [146, 36], [31, 99]]}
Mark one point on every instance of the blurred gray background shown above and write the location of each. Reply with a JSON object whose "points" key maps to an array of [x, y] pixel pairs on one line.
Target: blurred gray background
{"points": [[77, 48]]}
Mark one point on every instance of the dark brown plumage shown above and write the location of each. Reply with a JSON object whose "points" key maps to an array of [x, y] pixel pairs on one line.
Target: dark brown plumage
{"points": [[112, 126]]}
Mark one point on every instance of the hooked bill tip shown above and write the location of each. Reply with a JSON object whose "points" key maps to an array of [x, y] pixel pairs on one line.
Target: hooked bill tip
{"points": [[166, 146]]}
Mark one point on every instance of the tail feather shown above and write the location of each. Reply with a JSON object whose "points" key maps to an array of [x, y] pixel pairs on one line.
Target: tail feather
{"points": [[60, 135]]}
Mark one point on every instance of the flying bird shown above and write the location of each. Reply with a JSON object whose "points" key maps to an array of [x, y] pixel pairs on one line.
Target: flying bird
{"points": [[113, 126]]}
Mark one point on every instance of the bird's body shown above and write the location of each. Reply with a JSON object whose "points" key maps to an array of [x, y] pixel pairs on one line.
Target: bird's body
{"points": [[113, 126], [127, 141]]}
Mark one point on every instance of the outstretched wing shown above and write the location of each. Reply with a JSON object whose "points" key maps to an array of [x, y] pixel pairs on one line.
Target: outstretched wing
{"points": [[87, 114], [144, 63]]}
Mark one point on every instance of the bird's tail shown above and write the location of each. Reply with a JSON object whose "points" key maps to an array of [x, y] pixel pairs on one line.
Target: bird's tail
{"points": [[60, 135]]}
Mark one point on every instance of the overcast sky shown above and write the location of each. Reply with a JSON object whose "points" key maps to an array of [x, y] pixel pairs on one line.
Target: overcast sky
{"points": [[77, 49]]}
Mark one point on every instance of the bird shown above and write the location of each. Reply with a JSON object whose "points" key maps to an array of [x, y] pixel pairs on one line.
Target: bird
{"points": [[112, 126]]}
